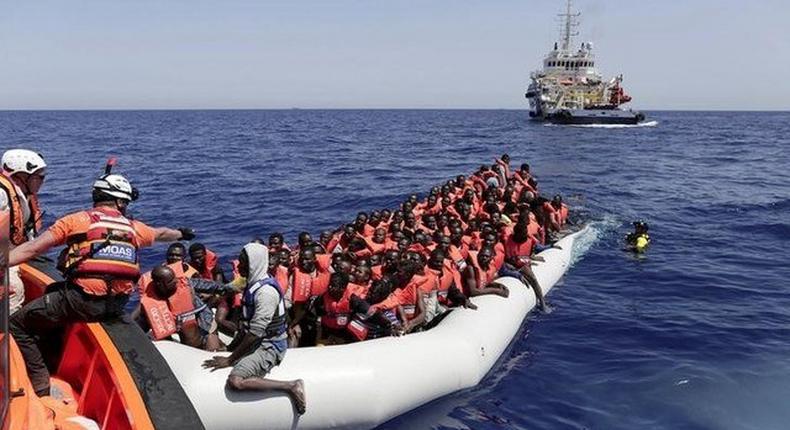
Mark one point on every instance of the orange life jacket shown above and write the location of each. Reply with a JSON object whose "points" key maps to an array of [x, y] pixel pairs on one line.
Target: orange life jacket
{"points": [[360, 289], [107, 250], [322, 261], [337, 313], [375, 248], [562, 215], [443, 279], [478, 183], [367, 230], [416, 288], [533, 230], [333, 243], [211, 264], [483, 277], [281, 276], [361, 329], [499, 255], [166, 317], [459, 255], [306, 285], [190, 271], [505, 167], [520, 252], [235, 265], [18, 232], [376, 272]]}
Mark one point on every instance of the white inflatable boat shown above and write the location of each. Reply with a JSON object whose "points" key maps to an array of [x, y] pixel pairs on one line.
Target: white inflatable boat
{"points": [[363, 385]]}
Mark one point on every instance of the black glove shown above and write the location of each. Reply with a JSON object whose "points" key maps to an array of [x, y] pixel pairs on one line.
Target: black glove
{"points": [[186, 233]]}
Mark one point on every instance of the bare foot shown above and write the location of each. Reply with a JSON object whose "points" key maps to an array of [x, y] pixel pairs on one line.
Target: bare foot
{"points": [[298, 397]]}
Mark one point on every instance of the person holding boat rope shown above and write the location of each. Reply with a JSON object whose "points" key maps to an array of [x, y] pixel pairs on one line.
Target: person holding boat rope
{"points": [[100, 266]]}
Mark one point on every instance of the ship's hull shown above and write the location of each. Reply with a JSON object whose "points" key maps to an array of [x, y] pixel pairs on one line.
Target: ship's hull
{"points": [[593, 116], [587, 116]]}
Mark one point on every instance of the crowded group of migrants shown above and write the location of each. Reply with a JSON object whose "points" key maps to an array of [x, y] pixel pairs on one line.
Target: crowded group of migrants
{"points": [[389, 272]]}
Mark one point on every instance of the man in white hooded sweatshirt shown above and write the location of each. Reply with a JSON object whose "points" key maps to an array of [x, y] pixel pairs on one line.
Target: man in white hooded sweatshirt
{"points": [[263, 339]]}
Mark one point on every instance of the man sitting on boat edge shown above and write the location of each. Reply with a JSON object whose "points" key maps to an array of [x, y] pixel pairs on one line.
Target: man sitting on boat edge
{"points": [[261, 343]]}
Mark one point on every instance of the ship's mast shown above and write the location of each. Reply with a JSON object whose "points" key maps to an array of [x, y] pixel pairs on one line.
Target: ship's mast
{"points": [[569, 27]]}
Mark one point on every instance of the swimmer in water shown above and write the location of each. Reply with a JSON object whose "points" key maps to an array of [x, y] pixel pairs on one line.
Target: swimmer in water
{"points": [[638, 240]]}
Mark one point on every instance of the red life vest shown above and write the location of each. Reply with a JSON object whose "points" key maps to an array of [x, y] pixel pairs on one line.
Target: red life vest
{"points": [[520, 252], [499, 256], [281, 276], [483, 277], [235, 265], [444, 279], [367, 230], [505, 167], [306, 285], [459, 256], [376, 272], [323, 261], [562, 215], [375, 248], [211, 264], [425, 283], [334, 242], [416, 288], [476, 241], [360, 289], [533, 230], [107, 250], [362, 330], [189, 271], [337, 313], [478, 183], [166, 317], [18, 228]]}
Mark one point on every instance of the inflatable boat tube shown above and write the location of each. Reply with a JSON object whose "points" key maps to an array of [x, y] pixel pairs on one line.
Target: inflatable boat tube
{"points": [[362, 385]]}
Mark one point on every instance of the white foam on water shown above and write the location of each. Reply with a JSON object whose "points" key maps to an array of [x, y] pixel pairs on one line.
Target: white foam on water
{"points": [[586, 240], [640, 125]]}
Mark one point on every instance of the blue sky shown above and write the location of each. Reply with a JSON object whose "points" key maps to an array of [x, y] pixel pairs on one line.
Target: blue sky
{"points": [[696, 54]]}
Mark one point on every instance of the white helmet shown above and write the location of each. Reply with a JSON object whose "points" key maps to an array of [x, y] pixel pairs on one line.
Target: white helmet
{"points": [[116, 186], [22, 161]]}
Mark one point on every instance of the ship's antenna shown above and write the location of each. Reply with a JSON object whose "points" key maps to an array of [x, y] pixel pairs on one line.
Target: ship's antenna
{"points": [[568, 30]]}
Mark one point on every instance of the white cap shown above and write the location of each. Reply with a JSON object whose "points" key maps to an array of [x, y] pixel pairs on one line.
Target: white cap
{"points": [[22, 161]]}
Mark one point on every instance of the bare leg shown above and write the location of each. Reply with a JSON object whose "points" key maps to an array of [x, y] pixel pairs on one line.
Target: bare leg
{"points": [[213, 343], [529, 276], [294, 389], [294, 335]]}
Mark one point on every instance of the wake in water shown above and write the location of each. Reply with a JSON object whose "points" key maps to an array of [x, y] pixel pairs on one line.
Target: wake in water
{"points": [[595, 231], [640, 125]]}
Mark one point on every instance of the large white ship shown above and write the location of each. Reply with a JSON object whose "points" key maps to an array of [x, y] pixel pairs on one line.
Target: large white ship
{"points": [[570, 90]]}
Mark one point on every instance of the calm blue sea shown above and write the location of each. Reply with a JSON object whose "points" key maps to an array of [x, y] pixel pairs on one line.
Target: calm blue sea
{"points": [[695, 335]]}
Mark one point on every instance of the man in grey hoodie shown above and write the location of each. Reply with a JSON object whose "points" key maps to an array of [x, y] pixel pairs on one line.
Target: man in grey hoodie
{"points": [[261, 342]]}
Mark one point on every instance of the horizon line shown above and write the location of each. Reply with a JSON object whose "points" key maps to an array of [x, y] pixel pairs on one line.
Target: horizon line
{"points": [[158, 109]]}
